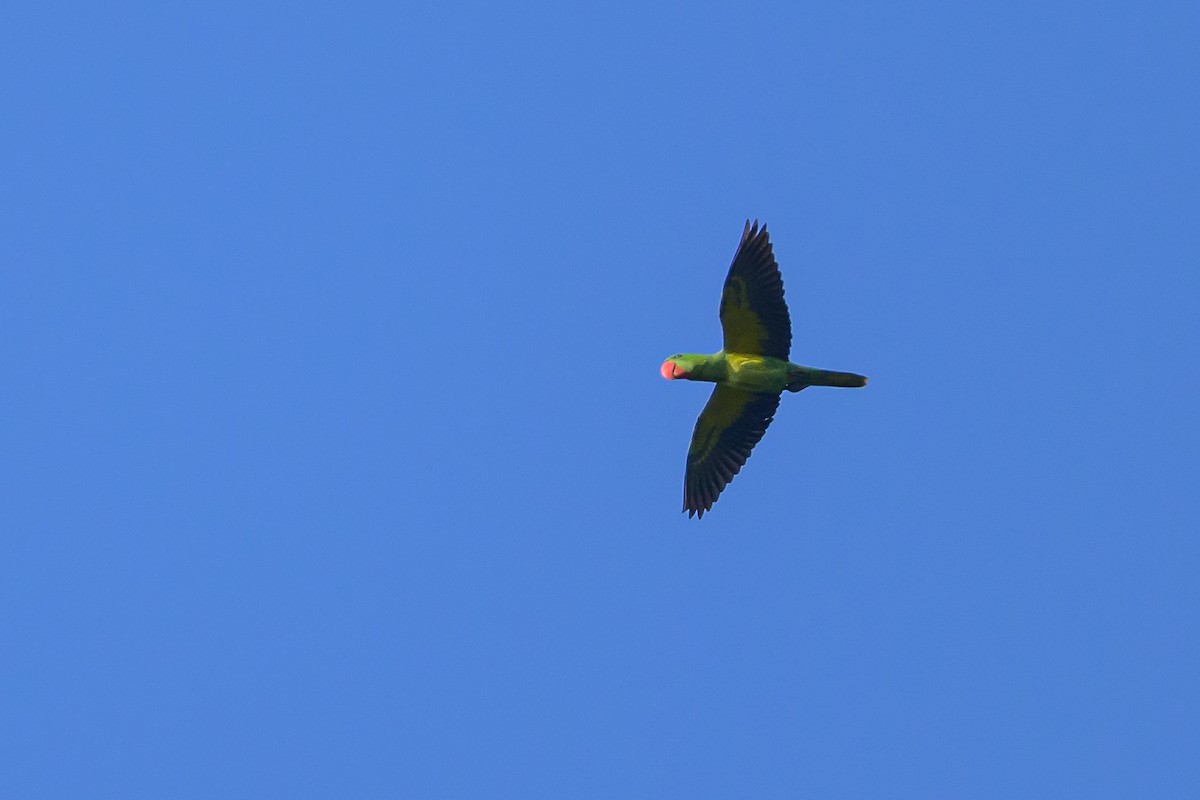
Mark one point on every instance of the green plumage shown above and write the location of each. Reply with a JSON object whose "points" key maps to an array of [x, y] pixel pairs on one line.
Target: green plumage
{"points": [[751, 371]]}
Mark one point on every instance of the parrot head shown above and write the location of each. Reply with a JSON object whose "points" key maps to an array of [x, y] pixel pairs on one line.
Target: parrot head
{"points": [[677, 366]]}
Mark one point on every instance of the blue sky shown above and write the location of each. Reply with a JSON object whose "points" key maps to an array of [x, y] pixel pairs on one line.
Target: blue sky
{"points": [[337, 462]]}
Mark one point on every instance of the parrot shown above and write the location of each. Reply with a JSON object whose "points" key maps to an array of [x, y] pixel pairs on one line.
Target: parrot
{"points": [[751, 372]]}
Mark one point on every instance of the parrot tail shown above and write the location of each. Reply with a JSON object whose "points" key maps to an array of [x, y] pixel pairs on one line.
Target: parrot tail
{"points": [[804, 377]]}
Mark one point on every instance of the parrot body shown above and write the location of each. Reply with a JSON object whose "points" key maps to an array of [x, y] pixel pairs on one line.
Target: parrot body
{"points": [[751, 372], [754, 373]]}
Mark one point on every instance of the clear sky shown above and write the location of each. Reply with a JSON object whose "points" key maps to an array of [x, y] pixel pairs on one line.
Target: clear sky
{"points": [[337, 463]]}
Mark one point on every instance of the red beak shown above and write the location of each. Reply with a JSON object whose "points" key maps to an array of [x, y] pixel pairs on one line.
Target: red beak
{"points": [[670, 370]]}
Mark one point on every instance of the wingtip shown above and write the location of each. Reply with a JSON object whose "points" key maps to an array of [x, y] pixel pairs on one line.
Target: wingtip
{"points": [[753, 230]]}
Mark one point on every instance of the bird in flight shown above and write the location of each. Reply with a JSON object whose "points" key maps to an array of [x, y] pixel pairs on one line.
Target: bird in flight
{"points": [[751, 371]]}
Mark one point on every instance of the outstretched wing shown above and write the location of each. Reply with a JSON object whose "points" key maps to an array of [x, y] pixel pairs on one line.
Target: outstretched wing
{"points": [[754, 316], [728, 428]]}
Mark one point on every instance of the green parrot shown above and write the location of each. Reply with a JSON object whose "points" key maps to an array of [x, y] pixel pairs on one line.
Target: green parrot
{"points": [[751, 371]]}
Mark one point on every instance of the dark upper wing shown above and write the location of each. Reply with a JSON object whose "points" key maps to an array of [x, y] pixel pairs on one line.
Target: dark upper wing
{"points": [[754, 315], [728, 428]]}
